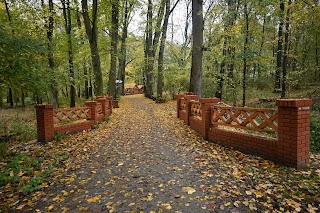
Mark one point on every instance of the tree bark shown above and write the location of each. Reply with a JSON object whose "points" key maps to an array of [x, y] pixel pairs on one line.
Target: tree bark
{"points": [[114, 47], [261, 45], [10, 97], [123, 48], [53, 85], [148, 51], [161, 50], [197, 48], [67, 20], [92, 34], [279, 49], [245, 46], [152, 44], [285, 53]]}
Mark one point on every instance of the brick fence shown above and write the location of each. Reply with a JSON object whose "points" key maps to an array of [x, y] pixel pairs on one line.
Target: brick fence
{"points": [[70, 120], [290, 122]]}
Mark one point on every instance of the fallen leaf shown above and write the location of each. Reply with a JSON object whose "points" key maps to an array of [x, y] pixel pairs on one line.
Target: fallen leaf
{"points": [[166, 206], [20, 206], [94, 199], [189, 190]]}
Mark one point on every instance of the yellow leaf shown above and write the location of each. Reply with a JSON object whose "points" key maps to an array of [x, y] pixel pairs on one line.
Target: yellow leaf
{"points": [[94, 199], [59, 198], [132, 204], [20, 173], [149, 197], [227, 204], [189, 190], [49, 208], [248, 192], [167, 206]]}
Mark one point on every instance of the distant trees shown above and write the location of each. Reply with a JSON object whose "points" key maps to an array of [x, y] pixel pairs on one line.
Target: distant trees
{"points": [[58, 51]]}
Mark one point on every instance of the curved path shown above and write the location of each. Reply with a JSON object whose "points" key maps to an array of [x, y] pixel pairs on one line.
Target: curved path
{"points": [[146, 160]]}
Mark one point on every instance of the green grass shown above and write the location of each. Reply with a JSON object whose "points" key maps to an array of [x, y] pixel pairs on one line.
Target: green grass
{"points": [[25, 172], [20, 124]]}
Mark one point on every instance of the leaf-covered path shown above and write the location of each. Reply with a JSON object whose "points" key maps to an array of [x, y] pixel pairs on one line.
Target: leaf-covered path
{"points": [[146, 160]]}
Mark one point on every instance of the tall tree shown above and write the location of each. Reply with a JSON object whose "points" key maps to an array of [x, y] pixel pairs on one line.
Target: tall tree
{"points": [[162, 46], [151, 44], [279, 48], [197, 47], [285, 52], [161, 49], [92, 34], [123, 48], [10, 95], [114, 47], [53, 84], [245, 48], [67, 21]]}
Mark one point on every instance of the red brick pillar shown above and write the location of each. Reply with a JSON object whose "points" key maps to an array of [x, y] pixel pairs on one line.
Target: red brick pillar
{"points": [[93, 110], [188, 99], [178, 98], [45, 124], [109, 100], [103, 105], [293, 147], [206, 104]]}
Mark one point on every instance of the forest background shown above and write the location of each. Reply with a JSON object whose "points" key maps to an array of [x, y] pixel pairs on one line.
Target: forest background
{"points": [[246, 52]]}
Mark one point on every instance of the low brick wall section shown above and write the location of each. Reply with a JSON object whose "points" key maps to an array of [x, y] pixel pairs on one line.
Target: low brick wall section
{"points": [[200, 118], [74, 128], [184, 110], [247, 143], [291, 122], [70, 120]]}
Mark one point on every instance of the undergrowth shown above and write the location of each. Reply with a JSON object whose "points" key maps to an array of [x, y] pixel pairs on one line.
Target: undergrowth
{"points": [[25, 172]]}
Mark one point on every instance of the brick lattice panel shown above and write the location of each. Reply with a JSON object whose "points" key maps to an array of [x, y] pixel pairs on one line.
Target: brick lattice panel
{"points": [[196, 108], [71, 114], [256, 119]]}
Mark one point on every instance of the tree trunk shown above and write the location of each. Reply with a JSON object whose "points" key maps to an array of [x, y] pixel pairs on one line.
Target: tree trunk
{"points": [[123, 48], [161, 50], [23, 104], [148, 51], [67, 20], [245, 46], [92, 34], [261, 45], [197, 48], [86, 83], [53, 85], [285, 53], [114, 47], [317, 73], [10, 98], [279, 49], [152, 45]]}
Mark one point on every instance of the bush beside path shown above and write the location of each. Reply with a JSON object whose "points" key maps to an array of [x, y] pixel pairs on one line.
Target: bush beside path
{"points": [[146, 160]]}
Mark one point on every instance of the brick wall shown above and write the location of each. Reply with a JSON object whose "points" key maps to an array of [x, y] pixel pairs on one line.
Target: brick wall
{"points": [[45, 121], [291, 148], [185, 114], [202, 124]]}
